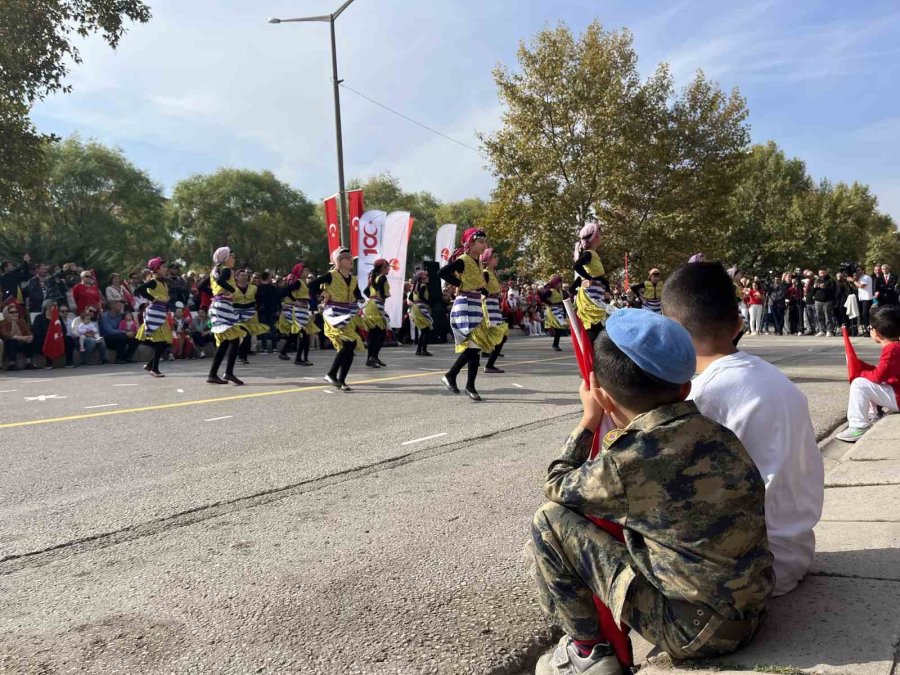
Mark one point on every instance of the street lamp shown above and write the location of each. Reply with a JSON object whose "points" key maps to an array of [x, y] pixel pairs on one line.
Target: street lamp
{"points": [[330, 19]]}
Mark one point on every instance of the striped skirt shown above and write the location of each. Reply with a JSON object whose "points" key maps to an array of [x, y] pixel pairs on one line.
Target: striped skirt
{"points": [[470, 326], [342, 324], [420, 313], [156, 326], [556, 317], [591, 307], [654, 305], [224, 320], [296, 318], [492, 312], [374, 314]]}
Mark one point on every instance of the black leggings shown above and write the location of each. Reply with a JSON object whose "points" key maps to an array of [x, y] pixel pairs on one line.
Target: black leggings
{"points": [[302, 348], [244, 350], [492, 359], [422, 342], [470, 357], [340, 367], [557, 334], [376, 342], [159, 348], [229, 347], [289, 343]]}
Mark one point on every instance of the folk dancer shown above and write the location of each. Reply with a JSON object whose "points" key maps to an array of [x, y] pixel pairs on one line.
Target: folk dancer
{"points": [[471, 330], [556, 319], [498, 326], [420, 311], [223, 319], [296, 319], [376, 319], [340, 314], [591, 286], [156, 329]]}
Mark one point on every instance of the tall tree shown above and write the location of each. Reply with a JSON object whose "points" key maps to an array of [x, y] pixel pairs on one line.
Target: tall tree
{"points": [[584, 137], [36, 50], [98, 210], [268, 223]]}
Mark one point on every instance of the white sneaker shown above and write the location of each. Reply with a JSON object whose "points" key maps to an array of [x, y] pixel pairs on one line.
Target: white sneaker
{"points": [[565, 660], [849, 435], [820, 334], [829, 334]]}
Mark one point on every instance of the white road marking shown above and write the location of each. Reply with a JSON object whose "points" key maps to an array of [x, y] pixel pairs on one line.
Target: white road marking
{"points": [[180, 391], [430, 370], [36, 379], [8, 391], [311, 379], [216, 419], [426, 438], [43, 397], [105, 405], [125, 385], [518, 386], [328, 391]]}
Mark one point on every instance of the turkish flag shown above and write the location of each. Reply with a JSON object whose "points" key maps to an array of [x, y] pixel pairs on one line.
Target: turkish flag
{"points": [[332, 224], [54, 344], [355, 198]]}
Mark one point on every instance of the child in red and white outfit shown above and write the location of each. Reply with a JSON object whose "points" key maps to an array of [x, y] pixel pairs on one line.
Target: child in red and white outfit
{"points": [[876, 385], [128, 324]]}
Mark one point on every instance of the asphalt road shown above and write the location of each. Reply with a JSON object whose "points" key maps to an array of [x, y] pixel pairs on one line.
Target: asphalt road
{"points": [[174, 526]]}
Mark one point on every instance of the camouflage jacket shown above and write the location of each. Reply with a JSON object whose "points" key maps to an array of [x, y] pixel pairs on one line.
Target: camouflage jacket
{"points": [[690, 499]]}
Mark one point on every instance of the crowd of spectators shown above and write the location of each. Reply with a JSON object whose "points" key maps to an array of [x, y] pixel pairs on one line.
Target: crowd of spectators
{"points": [[103, 319]]}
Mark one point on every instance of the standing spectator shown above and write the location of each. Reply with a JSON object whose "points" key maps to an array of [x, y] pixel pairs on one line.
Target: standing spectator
{"points": [[824, 296], [122, 341], [795, 306], [37, 290], [41, 326], [756, 301], [119, 292], [809, 302], [844, 291], [16, 337], [178, 290], [877, 276], [88, 335], [865, 291], [86, 294], [12, 278], [886, 288], [778, 302], [268, 301]]}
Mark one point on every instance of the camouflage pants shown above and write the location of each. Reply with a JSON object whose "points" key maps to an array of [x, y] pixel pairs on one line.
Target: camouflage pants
{"points": [[571, 560]]}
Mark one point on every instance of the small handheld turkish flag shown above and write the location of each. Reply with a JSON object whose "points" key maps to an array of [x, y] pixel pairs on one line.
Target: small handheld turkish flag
{"points": [[54, 344]]}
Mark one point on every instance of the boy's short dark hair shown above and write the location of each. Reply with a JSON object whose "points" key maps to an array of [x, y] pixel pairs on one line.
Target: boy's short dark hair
{"points": [[701, 297], [886, 320], [628, 383]]}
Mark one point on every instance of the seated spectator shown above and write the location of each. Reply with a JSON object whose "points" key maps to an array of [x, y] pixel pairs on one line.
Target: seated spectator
{"points": [[17, 337], [41, 327], [86, 294], [122, 341], [182, 345], [89, 338], [201, 334]]}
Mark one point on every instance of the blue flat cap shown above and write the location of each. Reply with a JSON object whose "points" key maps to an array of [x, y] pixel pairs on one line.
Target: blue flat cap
{"points": [[657, 344]]}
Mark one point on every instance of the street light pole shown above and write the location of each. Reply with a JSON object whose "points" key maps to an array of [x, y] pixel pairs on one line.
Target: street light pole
{"points": [[330, 19]]}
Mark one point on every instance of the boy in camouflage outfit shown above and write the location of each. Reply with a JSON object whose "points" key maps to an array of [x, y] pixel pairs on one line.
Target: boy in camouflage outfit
{"points": [[694, 572]]}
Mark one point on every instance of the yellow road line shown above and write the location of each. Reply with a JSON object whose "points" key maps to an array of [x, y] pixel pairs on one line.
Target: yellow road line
{"points": [[237, 397]]}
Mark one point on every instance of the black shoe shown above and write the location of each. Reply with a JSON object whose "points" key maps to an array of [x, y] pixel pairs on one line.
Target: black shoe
{"points": [[450, 384], [215, 379], [298, 362], [344, 386], [308, 363], [147, 367], [156, 373], [30, 366], [472, 394], [381, 363], [427, 353], [372, 364], [557, 349], [332, 381], [243, 362], [492, 369], [233, 380], [419, 352], [284, 357]]}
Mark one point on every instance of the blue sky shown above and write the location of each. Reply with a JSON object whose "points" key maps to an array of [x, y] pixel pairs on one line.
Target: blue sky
{"points": [[208, 83]]}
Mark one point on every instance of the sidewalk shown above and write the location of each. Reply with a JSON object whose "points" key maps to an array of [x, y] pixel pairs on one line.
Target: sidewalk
{"points": [[845, 616]]}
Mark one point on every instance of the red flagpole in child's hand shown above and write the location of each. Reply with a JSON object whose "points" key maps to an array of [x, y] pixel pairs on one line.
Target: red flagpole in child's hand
{"points": [[616, 636]]}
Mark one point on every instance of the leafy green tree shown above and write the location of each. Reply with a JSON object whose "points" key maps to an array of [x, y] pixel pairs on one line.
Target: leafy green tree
{"points": [[584, 137], [98, 210], [36, 50], [268, 223]]}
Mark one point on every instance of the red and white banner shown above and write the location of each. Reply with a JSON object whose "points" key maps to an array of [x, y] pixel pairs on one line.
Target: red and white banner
{"points": [[369, 244], [397, 228], [332, 224], [355, 200], [444, 243]]}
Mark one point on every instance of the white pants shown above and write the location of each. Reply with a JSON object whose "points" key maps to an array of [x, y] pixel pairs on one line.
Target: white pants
{"points": [[864, 396], [756, 314]]}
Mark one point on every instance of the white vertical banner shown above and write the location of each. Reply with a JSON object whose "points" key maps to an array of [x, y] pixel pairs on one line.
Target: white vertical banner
{"points": [[397, 228], [371, 240], [444, 243]]}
